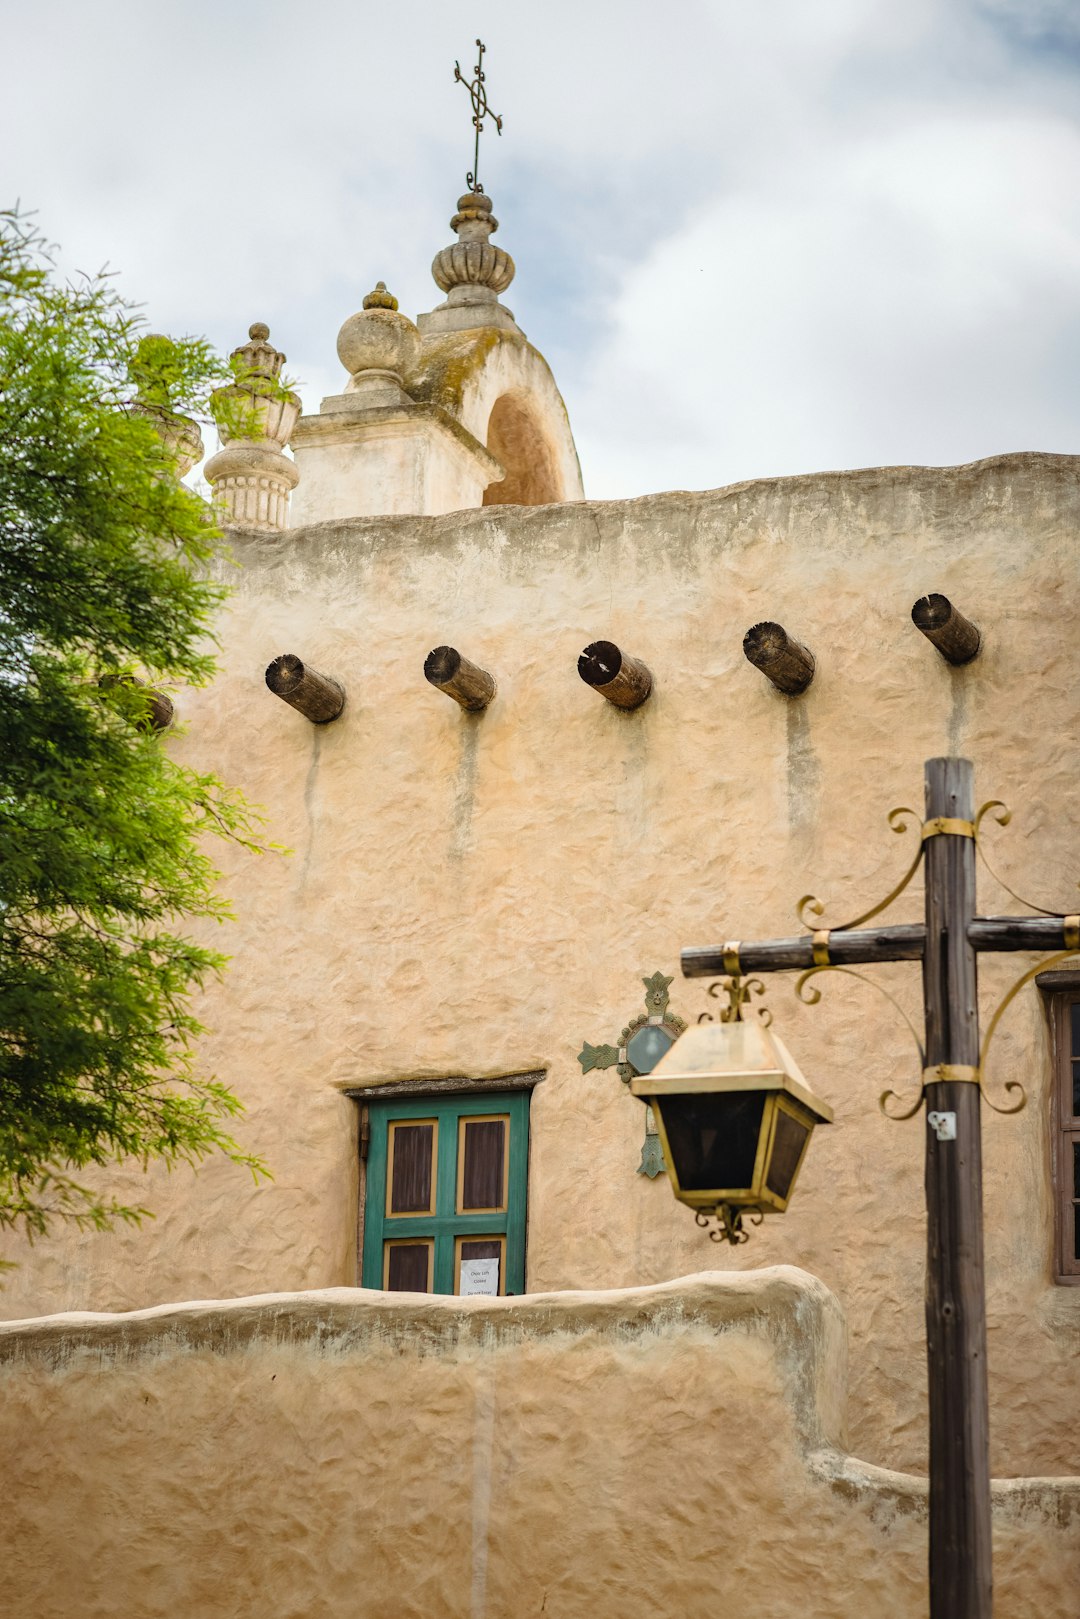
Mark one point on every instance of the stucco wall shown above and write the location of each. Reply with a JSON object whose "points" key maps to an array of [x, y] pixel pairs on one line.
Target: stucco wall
{"points": [[671, 1450], [479, 895]]}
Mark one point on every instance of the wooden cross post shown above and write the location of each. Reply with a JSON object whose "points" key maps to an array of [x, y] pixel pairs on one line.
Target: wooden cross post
{"points": [[961, 1583], [961, 1577]]}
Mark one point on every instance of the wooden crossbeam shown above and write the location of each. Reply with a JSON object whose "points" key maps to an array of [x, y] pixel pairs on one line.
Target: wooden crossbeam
{"points": [[852, 947]]}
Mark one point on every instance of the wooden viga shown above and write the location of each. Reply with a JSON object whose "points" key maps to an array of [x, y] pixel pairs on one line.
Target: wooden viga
{"points": [[956, 637], [614, 674], [450, 672], [318, 697], [786, 662]]}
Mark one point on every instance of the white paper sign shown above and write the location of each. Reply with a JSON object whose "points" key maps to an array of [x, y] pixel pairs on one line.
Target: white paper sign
{"points": [[479, 1276]]}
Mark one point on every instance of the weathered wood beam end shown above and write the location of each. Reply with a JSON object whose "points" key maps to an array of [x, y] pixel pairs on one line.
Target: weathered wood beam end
{"points": [[955, 636], [786, 662], [1020, 933], [160, 711], [318, 697], [623, 680], [465, 682], [159, 708]]}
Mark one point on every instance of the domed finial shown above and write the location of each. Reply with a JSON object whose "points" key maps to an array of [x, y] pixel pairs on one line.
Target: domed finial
{"points": [[472, 270], [259, 331], [379, 348], [154, 370], [380, 298]]}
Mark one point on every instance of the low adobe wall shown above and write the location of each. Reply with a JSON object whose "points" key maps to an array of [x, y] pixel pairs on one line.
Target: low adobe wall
{"points": [[670, 1449]]}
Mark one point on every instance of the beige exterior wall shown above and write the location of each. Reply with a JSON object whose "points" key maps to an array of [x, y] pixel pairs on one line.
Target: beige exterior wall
{"points": [[479, 895], [671, 1450]]}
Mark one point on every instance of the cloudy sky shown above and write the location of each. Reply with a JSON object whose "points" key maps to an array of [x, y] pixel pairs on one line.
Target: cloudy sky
{"points": [[751, 238]]}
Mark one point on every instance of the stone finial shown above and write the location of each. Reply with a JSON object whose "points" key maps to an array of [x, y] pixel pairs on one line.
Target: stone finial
{"points": [[255, 417], [151, 370], [379, 348], [257, 357], [257, 407], [472, 271], [380, 298]]}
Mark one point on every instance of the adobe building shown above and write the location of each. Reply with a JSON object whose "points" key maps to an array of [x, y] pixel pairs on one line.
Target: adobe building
{"points": [[522, 762]]}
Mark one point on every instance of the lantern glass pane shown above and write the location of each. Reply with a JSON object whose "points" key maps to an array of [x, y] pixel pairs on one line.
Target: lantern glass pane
{"points": [[713, 1137], [789, 1138], [645, 1048]]}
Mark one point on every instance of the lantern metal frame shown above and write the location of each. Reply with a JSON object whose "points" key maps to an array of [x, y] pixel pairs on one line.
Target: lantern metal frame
{"points": [[737, 1055]]}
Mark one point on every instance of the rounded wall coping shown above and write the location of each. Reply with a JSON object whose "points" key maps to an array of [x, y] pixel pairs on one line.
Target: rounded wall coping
{"points": [[794, 1312]]}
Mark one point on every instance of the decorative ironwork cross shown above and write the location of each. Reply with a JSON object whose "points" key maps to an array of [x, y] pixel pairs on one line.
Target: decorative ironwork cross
{"points": [[641, 1045], [481, 110]]}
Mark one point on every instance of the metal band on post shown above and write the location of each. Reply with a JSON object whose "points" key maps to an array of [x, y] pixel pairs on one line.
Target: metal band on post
{"points": [[731, 958], [961, 1073], [947, 826], [1071, 931], [820, 943]]}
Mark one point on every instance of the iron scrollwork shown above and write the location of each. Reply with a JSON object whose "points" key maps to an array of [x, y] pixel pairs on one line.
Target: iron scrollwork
{"points": [[809, 903], [810, 910], [738, 991], [729, 1224]]}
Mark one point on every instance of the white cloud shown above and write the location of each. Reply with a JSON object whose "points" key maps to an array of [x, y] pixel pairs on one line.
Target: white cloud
{"points": [[750, 238], [905, 300]]}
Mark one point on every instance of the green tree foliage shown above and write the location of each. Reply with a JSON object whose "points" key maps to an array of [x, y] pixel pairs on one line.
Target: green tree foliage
{"points": [[102, 834]]}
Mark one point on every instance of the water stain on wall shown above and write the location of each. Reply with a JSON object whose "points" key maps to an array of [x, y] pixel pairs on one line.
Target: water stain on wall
{"points": [[631, 796], [803, 770], [465, 787], [483, 1449], [310, 806], [958, 713]]}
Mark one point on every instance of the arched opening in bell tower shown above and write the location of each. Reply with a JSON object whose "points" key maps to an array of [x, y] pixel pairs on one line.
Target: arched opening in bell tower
{"points": [[517, 440]]}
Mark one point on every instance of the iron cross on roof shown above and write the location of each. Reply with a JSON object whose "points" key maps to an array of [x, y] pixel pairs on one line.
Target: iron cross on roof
{"points": [[481, 110]]}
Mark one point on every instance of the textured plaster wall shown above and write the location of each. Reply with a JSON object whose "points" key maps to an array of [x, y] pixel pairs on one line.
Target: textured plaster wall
{"points": [[673, 1449], [479, 895]]}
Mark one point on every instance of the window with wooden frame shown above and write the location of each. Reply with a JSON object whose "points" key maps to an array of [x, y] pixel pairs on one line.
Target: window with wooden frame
{"points": [[445, 1196], [1062, 991]]}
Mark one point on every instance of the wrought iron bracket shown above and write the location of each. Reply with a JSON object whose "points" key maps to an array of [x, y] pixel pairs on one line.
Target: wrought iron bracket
{"points": [[810, 909]]}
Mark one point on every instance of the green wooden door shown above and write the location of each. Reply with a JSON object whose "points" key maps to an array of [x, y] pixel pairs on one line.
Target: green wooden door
{"points": [[444, 1209]]}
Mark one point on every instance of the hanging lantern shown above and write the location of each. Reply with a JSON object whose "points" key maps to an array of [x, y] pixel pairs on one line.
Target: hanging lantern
{"points": [[735, 1117]]}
